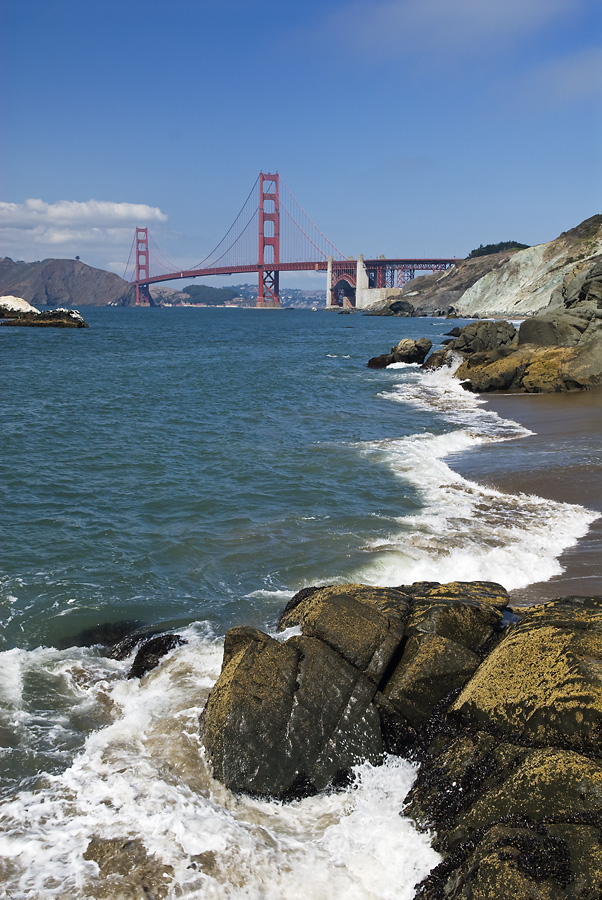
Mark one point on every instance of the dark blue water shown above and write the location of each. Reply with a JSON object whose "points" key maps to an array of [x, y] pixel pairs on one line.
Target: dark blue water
{"points": [[165, 464]]}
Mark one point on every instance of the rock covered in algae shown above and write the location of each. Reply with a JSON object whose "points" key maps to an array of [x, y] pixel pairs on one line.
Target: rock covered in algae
{"points": [[543, 681], [291, 717], [287, 719], [504, 721]]}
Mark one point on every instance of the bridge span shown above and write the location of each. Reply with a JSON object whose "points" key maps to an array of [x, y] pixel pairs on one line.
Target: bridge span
{"points": [[274, 231]]}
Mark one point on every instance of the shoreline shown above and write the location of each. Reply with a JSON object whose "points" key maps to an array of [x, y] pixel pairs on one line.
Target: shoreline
{"points": [[560, 461]]}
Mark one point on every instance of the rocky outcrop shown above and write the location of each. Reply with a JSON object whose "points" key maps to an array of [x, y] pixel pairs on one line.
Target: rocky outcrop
{"points": [[406, 351], [12, 307], [63, 282], [383, 657], [561, 350], [52, 318], [503, 710], [398, 307]]}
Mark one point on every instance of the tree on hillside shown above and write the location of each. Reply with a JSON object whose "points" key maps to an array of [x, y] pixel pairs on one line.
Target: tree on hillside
{"points": [[496, 248]]}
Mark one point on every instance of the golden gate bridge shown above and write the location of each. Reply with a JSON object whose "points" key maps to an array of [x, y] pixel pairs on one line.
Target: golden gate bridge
{"points": [[272, 233]]}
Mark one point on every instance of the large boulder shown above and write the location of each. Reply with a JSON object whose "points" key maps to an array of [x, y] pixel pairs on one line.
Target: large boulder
{"points": [[542, 680], [290, 717], [364, 625], [406, 351], [487, 335]]}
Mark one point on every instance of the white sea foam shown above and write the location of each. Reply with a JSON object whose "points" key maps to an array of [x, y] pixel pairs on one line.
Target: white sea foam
{"points": [[144, 778], [465, 530]]}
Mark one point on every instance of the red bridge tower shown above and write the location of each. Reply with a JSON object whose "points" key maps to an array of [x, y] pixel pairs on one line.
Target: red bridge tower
{"points": [[143, 297], [269, 241]]}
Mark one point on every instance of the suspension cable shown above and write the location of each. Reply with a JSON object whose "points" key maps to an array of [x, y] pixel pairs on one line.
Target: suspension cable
{"points": [[216, 248], [129, 257], [330, 244]]}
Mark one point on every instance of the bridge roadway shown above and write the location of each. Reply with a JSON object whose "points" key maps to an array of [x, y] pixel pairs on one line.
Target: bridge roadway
{"points": [[321, 266]]}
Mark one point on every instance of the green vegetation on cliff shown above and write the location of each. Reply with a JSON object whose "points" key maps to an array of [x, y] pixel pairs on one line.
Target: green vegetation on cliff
{"points": [[488, 249]]}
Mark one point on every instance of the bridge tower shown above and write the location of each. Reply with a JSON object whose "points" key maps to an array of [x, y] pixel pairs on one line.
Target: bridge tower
{"points": [[269, 240], [143, 297]]}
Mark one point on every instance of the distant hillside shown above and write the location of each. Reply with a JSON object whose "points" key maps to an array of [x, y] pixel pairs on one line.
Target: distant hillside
{"points": [[63, 282], [211, 296]]}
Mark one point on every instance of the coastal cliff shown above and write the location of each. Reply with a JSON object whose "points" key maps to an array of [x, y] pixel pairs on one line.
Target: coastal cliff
{"points": [[534, 279], [513, 282]]}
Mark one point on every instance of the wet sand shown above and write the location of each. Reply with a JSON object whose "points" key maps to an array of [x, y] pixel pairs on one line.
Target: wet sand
{"points": [[562, 460]]}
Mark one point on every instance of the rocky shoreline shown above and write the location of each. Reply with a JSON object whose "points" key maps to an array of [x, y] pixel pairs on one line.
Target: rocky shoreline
{"points": [[560, 350], [501, 707], [18, 312]]}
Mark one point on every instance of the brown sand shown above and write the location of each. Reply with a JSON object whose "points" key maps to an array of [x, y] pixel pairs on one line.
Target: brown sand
{"points": [[577, 419]]}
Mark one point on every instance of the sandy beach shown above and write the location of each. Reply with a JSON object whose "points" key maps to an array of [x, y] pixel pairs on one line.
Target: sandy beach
{"points": [[561, 460]]}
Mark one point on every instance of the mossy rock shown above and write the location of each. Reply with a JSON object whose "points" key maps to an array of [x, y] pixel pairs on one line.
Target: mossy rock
{"points": [[363, 624], [488, 593], [512, 822], [543, 680], [470, 623], [508, 864], [533, 785], [448, 783], [430, 668], [288, 719]]}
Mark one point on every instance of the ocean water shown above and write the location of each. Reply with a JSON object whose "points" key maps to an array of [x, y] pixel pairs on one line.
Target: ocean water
{"points": [[191, 470]]}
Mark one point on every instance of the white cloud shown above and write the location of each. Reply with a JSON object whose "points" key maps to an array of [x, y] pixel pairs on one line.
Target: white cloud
{"points": [[90, 214], [36, 229]]}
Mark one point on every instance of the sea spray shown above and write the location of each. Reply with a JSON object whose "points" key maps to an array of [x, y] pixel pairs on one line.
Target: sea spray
{"points": [[143, 781], [464, 530]]}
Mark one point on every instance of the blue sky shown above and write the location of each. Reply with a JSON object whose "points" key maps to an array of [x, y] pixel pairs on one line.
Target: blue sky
{"points": [[403, 127]]}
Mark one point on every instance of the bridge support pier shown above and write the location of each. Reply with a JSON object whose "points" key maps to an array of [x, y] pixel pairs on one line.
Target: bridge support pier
{"points": [[268, 295], [329, 297], [143, 295]]}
